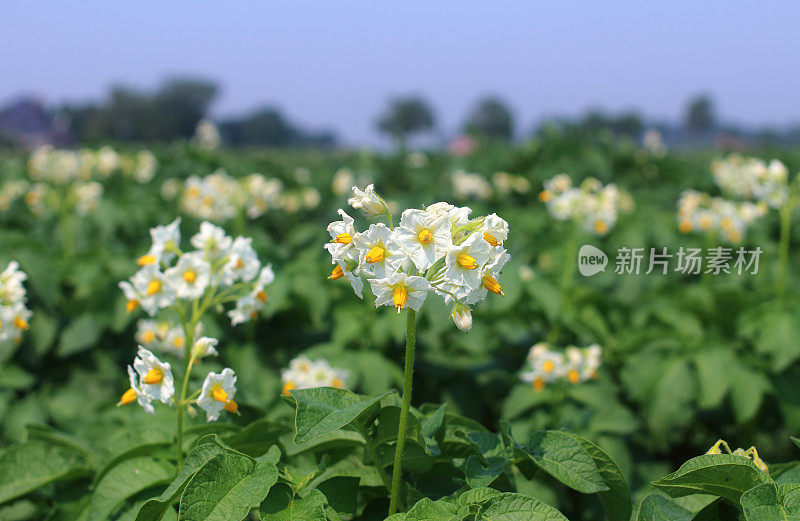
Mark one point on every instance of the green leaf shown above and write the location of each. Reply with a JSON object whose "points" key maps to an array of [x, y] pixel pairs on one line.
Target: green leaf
{"points": [[341, 493], [79, 335], [27, 466], [123, 481], [517, 507], [144, 449], [723, 475], [205, 449], [228, 486], [617, 499], [282, 504], [761, 503], [477, 496], [321, 410], [429, 510], [659, 508], [257, 437], [563, 457]]}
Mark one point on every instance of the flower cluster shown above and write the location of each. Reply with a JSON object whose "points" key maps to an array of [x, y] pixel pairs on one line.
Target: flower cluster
{"points": [[206, 135], [151, 380], [436, 249], [219, 197], [56, 166], [220, 270], [546, 365], [14, 315], [594, 206], [698, 211], [67, 180], [466, 185], [164, 336], [751, 453], [752, 178], [304, 373]]}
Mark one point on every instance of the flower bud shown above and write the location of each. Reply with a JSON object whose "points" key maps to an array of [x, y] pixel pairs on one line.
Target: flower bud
{"points": [[462, 316]]}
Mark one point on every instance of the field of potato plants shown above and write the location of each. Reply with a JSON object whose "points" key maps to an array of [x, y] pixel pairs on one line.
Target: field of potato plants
{"points": [[575, 327]]}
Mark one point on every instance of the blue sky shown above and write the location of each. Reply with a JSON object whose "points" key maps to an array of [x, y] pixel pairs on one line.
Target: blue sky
{"points": [[334, 64]]}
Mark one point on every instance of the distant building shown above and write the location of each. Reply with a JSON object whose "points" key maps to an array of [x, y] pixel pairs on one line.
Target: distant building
{"points": [[27, 123]]}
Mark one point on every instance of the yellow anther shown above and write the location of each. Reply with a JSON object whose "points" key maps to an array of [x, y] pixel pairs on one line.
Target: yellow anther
{"points": [[490, 239], [208, 200], [148, 337], [491, 284], [538, 384], [193, 191], [178, 341], [685, 226], [726, 223], [239, 263], [548, 366], [288, 386], [425, 236], [219, 394], [190, 276], [145, 260], [574, 376], [231, 406], [261, 296], [128, 397], [153, 376], [131, 305], [343, 238], [467, 261], [20, 323], [400, 296], [705, 222], [545, 196], [254, 314], [338, 383], [153, 287], [600, 227], [337, 273], [376, 254], [734, 235]]}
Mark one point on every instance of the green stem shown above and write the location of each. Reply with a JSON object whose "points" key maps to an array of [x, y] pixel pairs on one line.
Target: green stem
{"points": [[408, 380], [188, 331], [567, 278], [783, 252]]}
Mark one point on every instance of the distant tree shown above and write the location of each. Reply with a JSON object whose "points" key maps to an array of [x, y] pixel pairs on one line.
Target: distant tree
{"points": [[700, 114], [268, 127], [491, 118], [180, 104], [406, 116]]}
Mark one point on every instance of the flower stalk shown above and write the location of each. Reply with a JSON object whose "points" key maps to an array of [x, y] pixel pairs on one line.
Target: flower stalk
{"points": [[408, 380]]}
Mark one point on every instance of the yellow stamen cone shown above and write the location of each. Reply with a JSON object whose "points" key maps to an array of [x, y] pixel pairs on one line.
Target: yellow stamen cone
{"points": [[467, 261], [343, 238], [400, 297], [231, 406], [288, 386], [145, 260], [153, 376], [131, 305], [154, 287], [219, 394], [190, 276], [337, 273], [20, 323], [425, 236], [491, 284], [128, 397], [376, 254], [490, 239]]}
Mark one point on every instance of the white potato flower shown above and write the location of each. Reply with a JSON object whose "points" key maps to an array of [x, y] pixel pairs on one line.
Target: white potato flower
{"points": [[135, 393], [217, 394], [464, 263], [190, 276], [401, 291], [212, 241], [425, 236], [380, 254], [205, 346], [153, 291], [243, 263], [155, 376], [367, 201]]}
